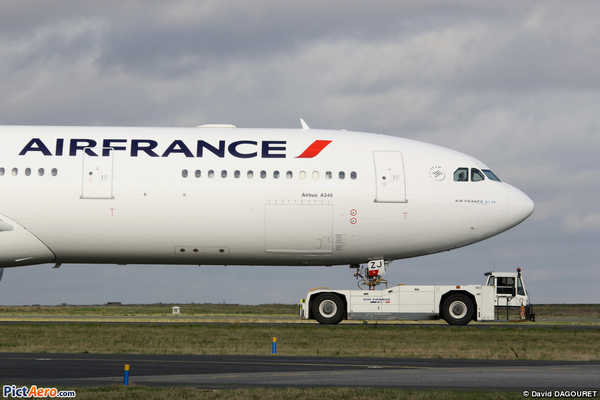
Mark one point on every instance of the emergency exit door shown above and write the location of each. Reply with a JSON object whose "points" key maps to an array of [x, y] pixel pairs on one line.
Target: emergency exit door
{"points": [[389, 174]]}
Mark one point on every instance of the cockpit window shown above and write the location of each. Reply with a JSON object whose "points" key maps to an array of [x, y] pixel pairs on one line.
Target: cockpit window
{"points": [[476, 175], [491, 176], [461, 175]]}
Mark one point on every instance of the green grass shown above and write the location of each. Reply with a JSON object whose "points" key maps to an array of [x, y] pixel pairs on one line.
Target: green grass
{"points": [[402, 341], [271, 310], [136, 392], [584, 311]]}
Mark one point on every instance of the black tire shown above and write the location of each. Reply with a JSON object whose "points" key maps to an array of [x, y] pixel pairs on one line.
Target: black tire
{"points": [[458, 309], [328, 308]]}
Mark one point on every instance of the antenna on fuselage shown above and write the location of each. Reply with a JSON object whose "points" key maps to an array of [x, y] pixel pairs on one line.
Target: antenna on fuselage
{"points": [[305, 126]]}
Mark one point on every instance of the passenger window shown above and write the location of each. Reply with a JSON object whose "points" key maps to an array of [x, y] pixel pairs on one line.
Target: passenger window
{"points": [[41, 172], [27, 171], [2, 171], [211, 173], [476, 175], [236, 174], [461, 175], [302, 175], [184, 173], [263, 174], [342, 175], [54, 172], [328, 175], [250, 174], [276, 174], [223, 174], [289, 175], [15, 171], [315, 174], [197, 173], [353, 175]]}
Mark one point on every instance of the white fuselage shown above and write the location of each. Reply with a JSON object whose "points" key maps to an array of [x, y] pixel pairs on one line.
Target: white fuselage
{"points": [[238, 196]]}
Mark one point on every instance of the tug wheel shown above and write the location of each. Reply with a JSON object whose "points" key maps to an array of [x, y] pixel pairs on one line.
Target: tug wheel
{"points": [[458, 309], [328, 308]]}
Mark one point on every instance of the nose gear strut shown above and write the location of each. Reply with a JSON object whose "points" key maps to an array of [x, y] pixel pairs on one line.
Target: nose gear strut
{"points": [[370, 274]]}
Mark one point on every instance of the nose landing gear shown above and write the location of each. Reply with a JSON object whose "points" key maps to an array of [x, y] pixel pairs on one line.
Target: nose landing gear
{"points": [[370, 274]]}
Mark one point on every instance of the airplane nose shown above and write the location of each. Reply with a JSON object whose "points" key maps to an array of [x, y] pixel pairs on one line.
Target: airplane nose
{"points": [[520, 206]]}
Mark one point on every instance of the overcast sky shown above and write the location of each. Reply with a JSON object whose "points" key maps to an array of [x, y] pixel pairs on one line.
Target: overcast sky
{"points": [[515, 84]]}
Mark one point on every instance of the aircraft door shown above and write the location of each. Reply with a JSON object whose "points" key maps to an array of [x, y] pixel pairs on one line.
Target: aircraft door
{"points": [[97, 180], [389, 174], [298, 228]]}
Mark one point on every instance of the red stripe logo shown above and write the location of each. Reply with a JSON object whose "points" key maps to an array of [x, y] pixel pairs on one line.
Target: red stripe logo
{"points": [[314, 149]]}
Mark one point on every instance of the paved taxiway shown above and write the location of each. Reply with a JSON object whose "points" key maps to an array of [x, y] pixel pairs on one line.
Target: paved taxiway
{"points": [[84, 370]]}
